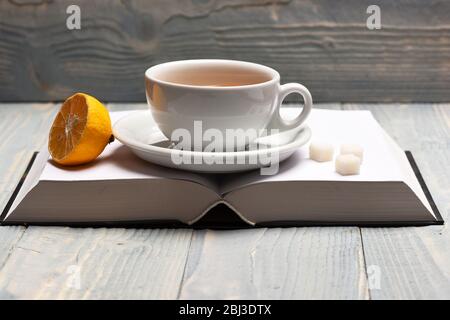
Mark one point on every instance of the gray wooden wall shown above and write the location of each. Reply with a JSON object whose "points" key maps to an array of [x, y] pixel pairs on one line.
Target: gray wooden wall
{"points": [[323, 44]]}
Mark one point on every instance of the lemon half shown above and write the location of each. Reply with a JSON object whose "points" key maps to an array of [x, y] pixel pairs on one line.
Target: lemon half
{"points": [[80, 131]]}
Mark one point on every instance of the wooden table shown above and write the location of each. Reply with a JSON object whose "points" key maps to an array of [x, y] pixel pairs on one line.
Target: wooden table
{"points": [[275, 263]]}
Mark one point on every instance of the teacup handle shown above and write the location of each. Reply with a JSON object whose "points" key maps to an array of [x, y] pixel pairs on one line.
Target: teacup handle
{"points": [[281, 124]]}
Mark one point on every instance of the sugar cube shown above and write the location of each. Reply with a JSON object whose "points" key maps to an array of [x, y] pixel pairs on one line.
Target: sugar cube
{"points": [[354, 149], [321, 151], [347, 164]]}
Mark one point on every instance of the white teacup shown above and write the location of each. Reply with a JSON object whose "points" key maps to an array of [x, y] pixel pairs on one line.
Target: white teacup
{"points": [[219, 95]]}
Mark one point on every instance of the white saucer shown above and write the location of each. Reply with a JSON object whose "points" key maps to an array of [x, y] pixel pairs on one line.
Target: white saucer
{"points": [[139, 132]]}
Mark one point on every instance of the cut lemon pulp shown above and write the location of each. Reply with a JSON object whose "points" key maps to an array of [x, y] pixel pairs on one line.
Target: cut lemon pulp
{"points": [[80, 131]]}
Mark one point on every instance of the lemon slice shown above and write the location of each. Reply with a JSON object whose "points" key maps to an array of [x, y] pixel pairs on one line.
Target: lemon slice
{"points": [[80, 131]]}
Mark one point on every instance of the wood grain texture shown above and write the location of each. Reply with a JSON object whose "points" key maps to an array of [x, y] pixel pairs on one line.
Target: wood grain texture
{"points": [[321, 44], [9, 236], [413, 263], [276, 263], [22, 127], [68, 263]]}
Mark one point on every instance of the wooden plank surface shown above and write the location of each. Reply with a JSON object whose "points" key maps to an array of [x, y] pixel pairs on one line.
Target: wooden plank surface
{"points": [[276, 263], [9, 236], [85, 263], [325, 46], [21, 126], [414, 263]]}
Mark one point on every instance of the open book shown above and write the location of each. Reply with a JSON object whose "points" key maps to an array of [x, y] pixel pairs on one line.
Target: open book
{"points": [[120, 188]]}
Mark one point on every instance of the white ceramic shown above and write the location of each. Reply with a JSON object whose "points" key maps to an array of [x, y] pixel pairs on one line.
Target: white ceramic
{"points": [[139, 132], [177, 104]]}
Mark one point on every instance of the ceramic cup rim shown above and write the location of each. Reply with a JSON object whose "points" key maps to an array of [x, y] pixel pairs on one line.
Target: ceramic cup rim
{"points": [[150, 74]]}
